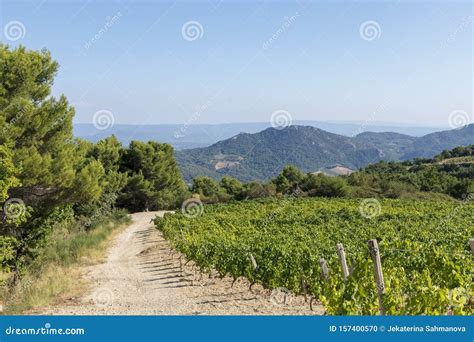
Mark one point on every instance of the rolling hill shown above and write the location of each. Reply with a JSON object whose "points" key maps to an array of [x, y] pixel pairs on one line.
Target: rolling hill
{"points": [[262, 155], [186, 136]]}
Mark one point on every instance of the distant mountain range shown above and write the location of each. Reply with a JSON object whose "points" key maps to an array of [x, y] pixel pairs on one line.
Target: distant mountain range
{"points": [[187, 136], [262, 155]]}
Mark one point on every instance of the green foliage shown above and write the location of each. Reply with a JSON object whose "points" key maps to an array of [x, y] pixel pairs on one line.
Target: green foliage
{"points": [[451, 173], [7, 173], [205, 186], [8, 252], [325, 186], [37, 126], [292, 181], [88, 182], [232, 186], [424, 248], [52, 273], [289, 179], [109, 151], [137, 193], [209, 190], [42, 169], [258, 190], [155, 180]]}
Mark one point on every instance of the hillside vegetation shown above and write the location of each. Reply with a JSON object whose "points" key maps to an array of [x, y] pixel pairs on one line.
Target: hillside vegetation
{"points": [[447, 176], [262, 155], [451, 173]]}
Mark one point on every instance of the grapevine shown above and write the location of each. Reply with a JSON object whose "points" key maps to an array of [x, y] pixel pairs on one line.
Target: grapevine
{"points": [[426, 259]]}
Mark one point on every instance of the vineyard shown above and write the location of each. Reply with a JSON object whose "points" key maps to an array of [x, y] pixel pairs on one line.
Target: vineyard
{"points": [[424, 250]]}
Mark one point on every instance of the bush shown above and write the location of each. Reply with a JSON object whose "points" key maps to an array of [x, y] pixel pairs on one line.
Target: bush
{"points": [[232, 186], [325, 186], [209, 190], [259, 190], [8, 248], [289, 179]]}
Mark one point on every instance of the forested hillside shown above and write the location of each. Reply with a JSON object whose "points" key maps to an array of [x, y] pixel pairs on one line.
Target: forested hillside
{"points": [[447, 176], [451, 172], [262, 155]]}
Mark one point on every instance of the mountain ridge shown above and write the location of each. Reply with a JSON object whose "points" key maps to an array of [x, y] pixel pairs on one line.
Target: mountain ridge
{"points": [[186, 136], [259, 156]]}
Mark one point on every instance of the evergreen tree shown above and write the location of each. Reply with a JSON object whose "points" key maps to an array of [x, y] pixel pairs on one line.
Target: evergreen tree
{"points": [[155, 176]]}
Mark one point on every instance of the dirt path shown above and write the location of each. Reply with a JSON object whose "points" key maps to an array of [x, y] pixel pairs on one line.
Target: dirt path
{"points": [[142, 277]]}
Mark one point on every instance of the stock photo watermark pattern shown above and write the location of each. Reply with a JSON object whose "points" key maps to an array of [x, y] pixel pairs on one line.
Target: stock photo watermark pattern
{"points": [[14, 30], [14, 208], [288, 22], [192, 207], [192, 30], [46, 330], [281, 296], [370, 30], [459, 119], [103, 119], [181, 132], [109, 23], [103, 297], [370, 208], [281, 119]]}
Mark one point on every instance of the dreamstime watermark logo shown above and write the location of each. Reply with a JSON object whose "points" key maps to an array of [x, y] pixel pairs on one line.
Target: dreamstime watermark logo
{"points": [[103, 119], [288, 21], [465, 23], [182, 130], [192, 30], [103, 297], [14, 208], [370, 208], [109, 22], [47, 329], [458, 298], [14, 30], [192, 207], [281, 119], [280, 296], [370, 30], [458, 119], [362, 128]]}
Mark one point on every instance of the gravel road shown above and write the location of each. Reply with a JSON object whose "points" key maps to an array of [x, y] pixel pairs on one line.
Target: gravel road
{"points": [[142, 276]]}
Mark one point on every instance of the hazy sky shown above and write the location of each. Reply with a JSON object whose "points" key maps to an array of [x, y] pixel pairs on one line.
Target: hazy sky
{"points": [[240, 61]]}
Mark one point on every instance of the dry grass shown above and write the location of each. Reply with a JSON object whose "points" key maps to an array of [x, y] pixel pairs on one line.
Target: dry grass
{"points": [[56, 275]]}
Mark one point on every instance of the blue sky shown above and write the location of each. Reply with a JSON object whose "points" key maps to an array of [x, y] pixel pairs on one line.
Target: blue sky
{"points": [[254, 58]]}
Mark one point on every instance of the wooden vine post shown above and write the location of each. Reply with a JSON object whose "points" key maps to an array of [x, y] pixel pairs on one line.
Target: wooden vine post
{"points": [[342, 259], [471, 244], [304, 288], [324, 268], [325, 271], [375, 253]]}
